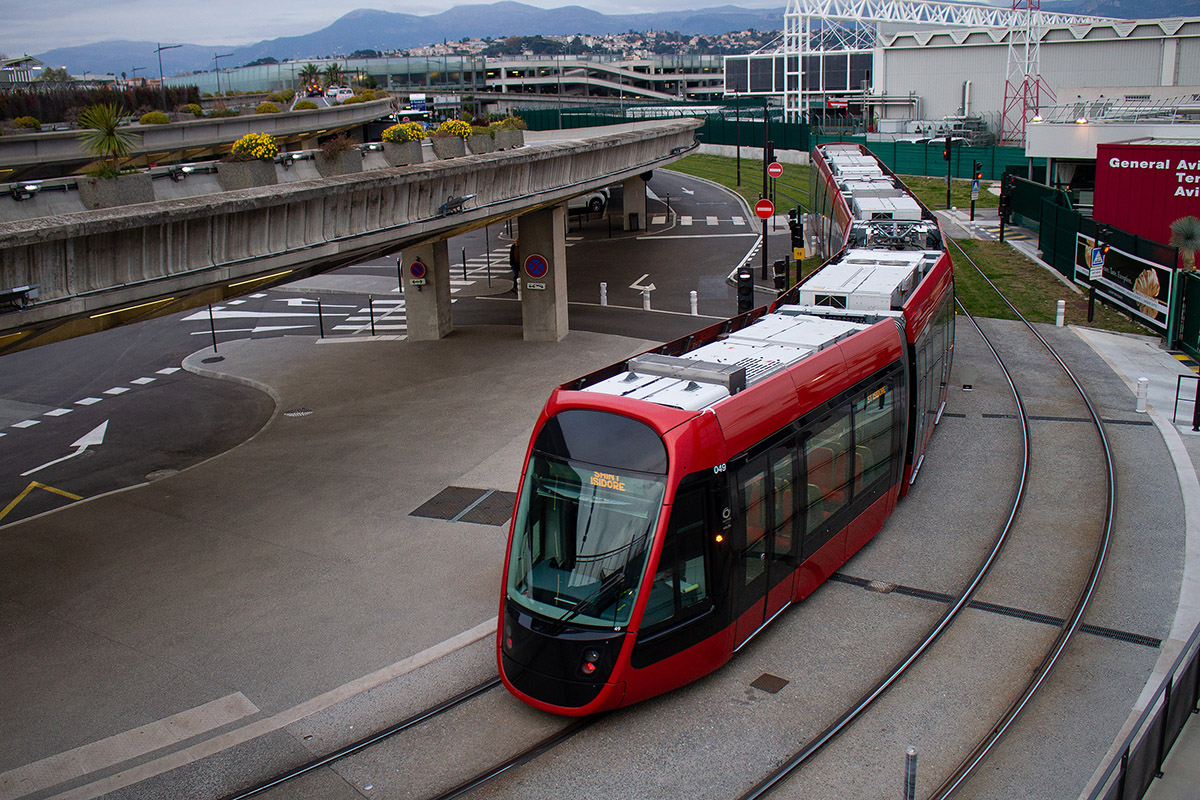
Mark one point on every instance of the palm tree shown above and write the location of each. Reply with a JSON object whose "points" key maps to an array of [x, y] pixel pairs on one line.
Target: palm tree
{"points": [[310, 73], [1185, 234], [333, 75], [101, 134]]}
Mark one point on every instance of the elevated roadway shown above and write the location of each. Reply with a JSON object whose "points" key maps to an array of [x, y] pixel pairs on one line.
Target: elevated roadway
{"points": [[98, 269], [51, 152]]}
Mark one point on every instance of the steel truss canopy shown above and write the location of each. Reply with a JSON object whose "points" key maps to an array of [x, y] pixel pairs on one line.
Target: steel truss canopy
{"points": [[926, 12]]}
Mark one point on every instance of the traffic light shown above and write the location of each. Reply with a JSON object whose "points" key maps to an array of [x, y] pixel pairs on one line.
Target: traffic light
{"points": [[770, 152], [745, 290], [946, 149], [977, 170], [796, 227], [780, 274]]}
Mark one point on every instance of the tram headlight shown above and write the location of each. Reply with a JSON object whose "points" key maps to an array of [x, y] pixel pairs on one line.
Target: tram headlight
{"points": [[591, 657]]}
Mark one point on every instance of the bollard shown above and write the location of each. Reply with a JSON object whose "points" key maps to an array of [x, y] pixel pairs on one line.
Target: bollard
{"points": [[371, 312], [910, 774], [645, 299], [695, 304], [1142, 390], [212, 327], [603, 293], [464, 263], [1061, 314], [320, 319]]}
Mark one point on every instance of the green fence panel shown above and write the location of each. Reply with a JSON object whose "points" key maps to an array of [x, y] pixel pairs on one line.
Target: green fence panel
{"points": [[1189, 333], [1057, 229]]}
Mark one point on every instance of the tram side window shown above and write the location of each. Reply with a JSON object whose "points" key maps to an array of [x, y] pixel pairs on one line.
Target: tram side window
{"points": [[826, 453], [754, 512], [680, 587], [874, 416]]}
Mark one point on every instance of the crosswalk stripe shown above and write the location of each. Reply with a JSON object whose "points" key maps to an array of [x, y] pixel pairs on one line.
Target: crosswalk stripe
{"points": [[739, 220], [685, 220], [712, 220]]}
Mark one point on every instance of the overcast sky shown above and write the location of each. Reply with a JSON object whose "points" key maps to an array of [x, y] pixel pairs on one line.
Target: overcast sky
{"points": [[35, 27]]}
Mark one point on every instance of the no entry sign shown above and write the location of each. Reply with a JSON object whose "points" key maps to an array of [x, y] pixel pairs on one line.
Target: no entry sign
{"points": [[764, 208], [775, 169]]}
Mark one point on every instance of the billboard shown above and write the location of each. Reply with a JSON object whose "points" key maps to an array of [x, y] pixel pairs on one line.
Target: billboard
{"points": [[1139, 287], [1143, 187]]}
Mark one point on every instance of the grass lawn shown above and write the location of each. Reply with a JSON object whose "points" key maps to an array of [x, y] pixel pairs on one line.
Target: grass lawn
{"points": [[1030, 286]]}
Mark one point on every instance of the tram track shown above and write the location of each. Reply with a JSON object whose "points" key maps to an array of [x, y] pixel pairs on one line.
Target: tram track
{"points": [[961, 774]]}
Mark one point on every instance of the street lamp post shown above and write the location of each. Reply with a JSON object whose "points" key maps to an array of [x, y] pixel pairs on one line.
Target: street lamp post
{"points": [[217, 63], [162, 84], [133, 72]]}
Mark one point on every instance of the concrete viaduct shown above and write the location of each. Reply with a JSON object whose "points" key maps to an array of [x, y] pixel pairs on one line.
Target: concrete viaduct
{"points": [[99, 269]]}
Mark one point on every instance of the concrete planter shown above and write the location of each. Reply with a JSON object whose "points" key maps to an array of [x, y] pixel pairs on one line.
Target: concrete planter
{"points": [[400, 154], [480, 143], [508, 139], [341, 164], [449, 146], [124, 190], [233, 175]]}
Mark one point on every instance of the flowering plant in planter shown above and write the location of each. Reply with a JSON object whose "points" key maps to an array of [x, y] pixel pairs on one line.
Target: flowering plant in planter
{"points": [[254, 146], [404, 132], [454, 127]]}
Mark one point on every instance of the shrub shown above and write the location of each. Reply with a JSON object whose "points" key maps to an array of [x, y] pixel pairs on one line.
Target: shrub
{"points": [[276, 97], [332, 149], [478, 130], [350, 100], [510, 124], [304, 105], [454, 127], [223, 112], [267, 108], [154, 118], [29, 123], [254, 146], [404, 132], [367, 94], [288, 95], [191, 108]]}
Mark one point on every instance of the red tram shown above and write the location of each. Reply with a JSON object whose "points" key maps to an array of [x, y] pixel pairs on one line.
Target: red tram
{"points": [[672, 505]]}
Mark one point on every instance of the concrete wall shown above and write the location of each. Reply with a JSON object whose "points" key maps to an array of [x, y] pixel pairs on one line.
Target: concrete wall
{"points": [[97, 261]]}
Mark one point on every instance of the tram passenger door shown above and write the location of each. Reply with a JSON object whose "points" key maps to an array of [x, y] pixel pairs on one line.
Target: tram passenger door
{"points": [[763, 576]]}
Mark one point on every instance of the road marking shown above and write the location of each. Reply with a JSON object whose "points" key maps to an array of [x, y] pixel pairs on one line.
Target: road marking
{"points": [[658, 219], [143, 381], [27, 423], [292, 302], [116, 390], [58, 412], [712, 220], [687, 190], [685, 220], [281, 720], [88, 401], [739, 220], [259, 329], [25, 493], [93, 437], [120, 747], [694, 235], [638, 284], [168, 370]]}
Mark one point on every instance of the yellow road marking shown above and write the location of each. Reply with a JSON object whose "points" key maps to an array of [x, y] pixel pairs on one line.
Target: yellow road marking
{"points": [[35, 485]]}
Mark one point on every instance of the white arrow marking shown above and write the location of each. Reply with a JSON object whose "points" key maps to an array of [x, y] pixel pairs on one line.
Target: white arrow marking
{"points": [[93, 437], [638, 284], [260, 329], [687, 191], [223, 314]]}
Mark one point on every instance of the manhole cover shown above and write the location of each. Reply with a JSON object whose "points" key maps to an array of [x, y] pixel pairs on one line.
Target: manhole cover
{"points": [[297, 412], [769, 683], [880, 586]]}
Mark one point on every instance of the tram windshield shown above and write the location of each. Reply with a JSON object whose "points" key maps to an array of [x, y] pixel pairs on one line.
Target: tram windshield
{"points": [[582, 531]]}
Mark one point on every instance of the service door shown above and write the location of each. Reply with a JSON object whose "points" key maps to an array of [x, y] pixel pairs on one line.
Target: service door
{"points": [[763, 574]]}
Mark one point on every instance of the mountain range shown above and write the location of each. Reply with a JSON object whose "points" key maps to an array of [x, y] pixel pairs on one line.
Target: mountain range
{"points": [[369, 29]]}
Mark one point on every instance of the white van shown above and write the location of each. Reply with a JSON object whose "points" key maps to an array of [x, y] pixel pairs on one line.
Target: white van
{"points": [[343, 94]]}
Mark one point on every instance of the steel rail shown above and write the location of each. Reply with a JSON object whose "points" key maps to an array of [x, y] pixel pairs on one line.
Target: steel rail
{"points": [[780, 773], [375, 738], [963, 771]]}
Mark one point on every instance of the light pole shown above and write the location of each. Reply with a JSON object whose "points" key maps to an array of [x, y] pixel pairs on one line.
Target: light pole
{"points": [[162, 84], [217, 64], [133, 72]]}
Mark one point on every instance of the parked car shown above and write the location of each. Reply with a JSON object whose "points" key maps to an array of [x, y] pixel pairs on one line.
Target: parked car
{"points": [[343, 94], [592, 202]]}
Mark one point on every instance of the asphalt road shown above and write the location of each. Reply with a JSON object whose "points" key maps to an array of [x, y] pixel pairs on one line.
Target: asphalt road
{"points": [[107, 411]]}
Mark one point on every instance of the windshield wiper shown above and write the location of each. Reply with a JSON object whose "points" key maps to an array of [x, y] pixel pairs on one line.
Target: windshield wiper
{"points": [[614, 580]]}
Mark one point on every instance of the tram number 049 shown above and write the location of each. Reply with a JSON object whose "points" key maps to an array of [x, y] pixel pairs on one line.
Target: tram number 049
{"points": [[719, 468]]}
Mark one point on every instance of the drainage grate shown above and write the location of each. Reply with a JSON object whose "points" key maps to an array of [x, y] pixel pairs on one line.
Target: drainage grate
{"points": [[993, 608], [494, 508], [297, 412], [448, 503], [769, 683], [954, 414]]}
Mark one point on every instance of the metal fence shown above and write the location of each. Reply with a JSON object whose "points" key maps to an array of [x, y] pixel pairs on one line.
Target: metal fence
{"points": [[925, 158], [1129, 774]]}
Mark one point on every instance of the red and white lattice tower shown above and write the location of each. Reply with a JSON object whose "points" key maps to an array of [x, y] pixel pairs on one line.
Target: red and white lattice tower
{"points": [[1024, 89]]}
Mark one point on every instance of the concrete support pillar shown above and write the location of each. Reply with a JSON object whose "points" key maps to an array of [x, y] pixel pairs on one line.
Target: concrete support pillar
{"points": [[543, 274], [427, 291], [635, 203]]}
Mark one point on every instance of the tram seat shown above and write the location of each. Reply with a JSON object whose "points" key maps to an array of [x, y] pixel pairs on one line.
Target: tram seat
{"points": [[862, 456], [824, 471], [816, 506]]}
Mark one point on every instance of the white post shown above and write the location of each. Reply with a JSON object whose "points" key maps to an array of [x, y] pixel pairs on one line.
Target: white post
{"points": [[1142, 390], [645, 299], [603, 293], [1061, 316], [694, 303]]}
